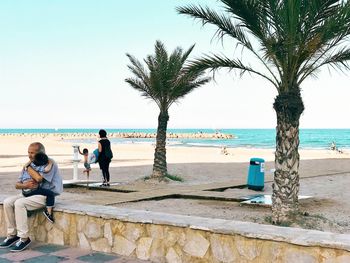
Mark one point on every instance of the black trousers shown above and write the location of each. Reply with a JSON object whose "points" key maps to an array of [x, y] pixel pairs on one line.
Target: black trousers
{"points": [[105, 171], [50, 196]]}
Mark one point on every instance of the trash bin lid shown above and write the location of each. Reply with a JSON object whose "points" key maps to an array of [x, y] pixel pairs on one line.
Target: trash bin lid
{"points": [[257, 160]]}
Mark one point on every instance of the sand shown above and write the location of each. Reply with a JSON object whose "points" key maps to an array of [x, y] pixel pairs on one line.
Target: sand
{"points": [[13, 153], [327, 210], [328, 172]]}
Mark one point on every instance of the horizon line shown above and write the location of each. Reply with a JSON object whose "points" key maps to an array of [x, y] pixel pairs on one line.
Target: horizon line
{"points": [[182, 128]]}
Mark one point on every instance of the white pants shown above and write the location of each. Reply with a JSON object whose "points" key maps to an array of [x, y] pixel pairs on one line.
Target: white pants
{"points": [[15, 210]]}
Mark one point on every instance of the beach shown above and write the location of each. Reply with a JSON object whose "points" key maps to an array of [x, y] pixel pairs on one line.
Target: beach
{"points": [[325, 175], [13, 152]]}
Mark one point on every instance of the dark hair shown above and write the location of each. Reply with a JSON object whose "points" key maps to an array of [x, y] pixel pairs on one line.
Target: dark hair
{"points": [[102, 133], [85, 151], [40, 159]]}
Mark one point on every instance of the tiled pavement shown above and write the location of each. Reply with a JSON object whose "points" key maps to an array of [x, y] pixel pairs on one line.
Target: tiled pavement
{"points": [[39, 252]]}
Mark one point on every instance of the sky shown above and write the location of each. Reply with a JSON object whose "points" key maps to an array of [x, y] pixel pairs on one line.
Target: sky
{"points": [[63, 65]]}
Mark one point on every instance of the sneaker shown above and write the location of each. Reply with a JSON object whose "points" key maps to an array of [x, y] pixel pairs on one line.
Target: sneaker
{"points": [[49, 216], [21, 245], [9, 241]]}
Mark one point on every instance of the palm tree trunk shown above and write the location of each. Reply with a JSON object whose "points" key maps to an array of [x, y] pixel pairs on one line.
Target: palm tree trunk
{"points": [[288, 107], [160, 165]]}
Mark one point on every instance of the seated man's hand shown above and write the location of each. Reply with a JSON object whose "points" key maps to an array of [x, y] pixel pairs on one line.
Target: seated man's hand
{"points": [[30, 184]]}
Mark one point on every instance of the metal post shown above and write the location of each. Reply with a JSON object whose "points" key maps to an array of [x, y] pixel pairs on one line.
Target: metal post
{"points": [[76, 161]]}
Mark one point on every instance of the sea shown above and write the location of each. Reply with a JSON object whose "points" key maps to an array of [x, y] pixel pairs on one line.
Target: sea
{"points": [[246, 138]]}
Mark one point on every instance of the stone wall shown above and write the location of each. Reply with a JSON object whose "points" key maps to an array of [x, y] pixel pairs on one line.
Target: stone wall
{"points": [[173, 238]]}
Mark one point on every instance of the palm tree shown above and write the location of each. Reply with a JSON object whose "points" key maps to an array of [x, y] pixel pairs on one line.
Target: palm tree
{"points": [[292, 40], [165, 82]]}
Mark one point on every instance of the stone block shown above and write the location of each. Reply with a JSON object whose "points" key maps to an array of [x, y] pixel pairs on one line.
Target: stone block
{"points": [[41, 234], [156, 231], [55, 236], [31, 220], [343, 259], [171, 237], [122, 246], [299, 256], [132, 232], [222, 248], [182, 239], [157, 250], [101, 245], [81, 222], [172, 256], [107, 232], [93, 230], [326, 254], [272, 251], [62, 221], [117, 227], [143, 248], [196, 245], [83, 241], [34, 221], [2, 220], [71, 238], [248, 248], [40, 217], [47, 224]]}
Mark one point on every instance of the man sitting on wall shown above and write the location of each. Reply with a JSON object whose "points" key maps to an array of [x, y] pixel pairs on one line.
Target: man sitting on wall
{"points": [[16, 207]]}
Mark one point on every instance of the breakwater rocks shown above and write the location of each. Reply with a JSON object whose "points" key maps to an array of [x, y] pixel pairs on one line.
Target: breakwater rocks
{"points": [[198, 135]]}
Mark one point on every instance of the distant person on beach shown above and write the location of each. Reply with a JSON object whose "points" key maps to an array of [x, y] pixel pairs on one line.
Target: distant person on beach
{"points": [[105, 156], [224, 151], [41, 164], [16, 207], [334, 147]]}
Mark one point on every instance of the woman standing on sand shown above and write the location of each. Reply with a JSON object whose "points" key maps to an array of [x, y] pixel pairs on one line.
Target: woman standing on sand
{"points": [[105, 156]]}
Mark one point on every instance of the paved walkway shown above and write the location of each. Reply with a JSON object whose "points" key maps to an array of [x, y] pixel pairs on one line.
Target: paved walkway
{"points": [[139, 191], [39, 252]]}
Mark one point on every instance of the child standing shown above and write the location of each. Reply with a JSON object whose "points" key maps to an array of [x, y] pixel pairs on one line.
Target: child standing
{"points": [[87, 166]]}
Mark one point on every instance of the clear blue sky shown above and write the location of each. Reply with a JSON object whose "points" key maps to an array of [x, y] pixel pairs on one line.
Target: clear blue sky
{"points": [[63, 64]]}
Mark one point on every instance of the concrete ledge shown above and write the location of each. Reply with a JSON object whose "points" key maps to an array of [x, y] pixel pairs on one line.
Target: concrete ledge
{"points": [[85, 226]]}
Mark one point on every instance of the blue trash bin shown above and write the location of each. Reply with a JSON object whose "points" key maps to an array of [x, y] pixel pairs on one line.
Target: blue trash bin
{"points": [[256, 174]]}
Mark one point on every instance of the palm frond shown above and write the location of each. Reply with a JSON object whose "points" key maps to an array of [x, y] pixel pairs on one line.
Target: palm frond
{"points": [[140, 86], [290, 37], [185, 83], [224, 23], [237, 32], [215, 62], [137, 69], [337, 61], [166, 80]]}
